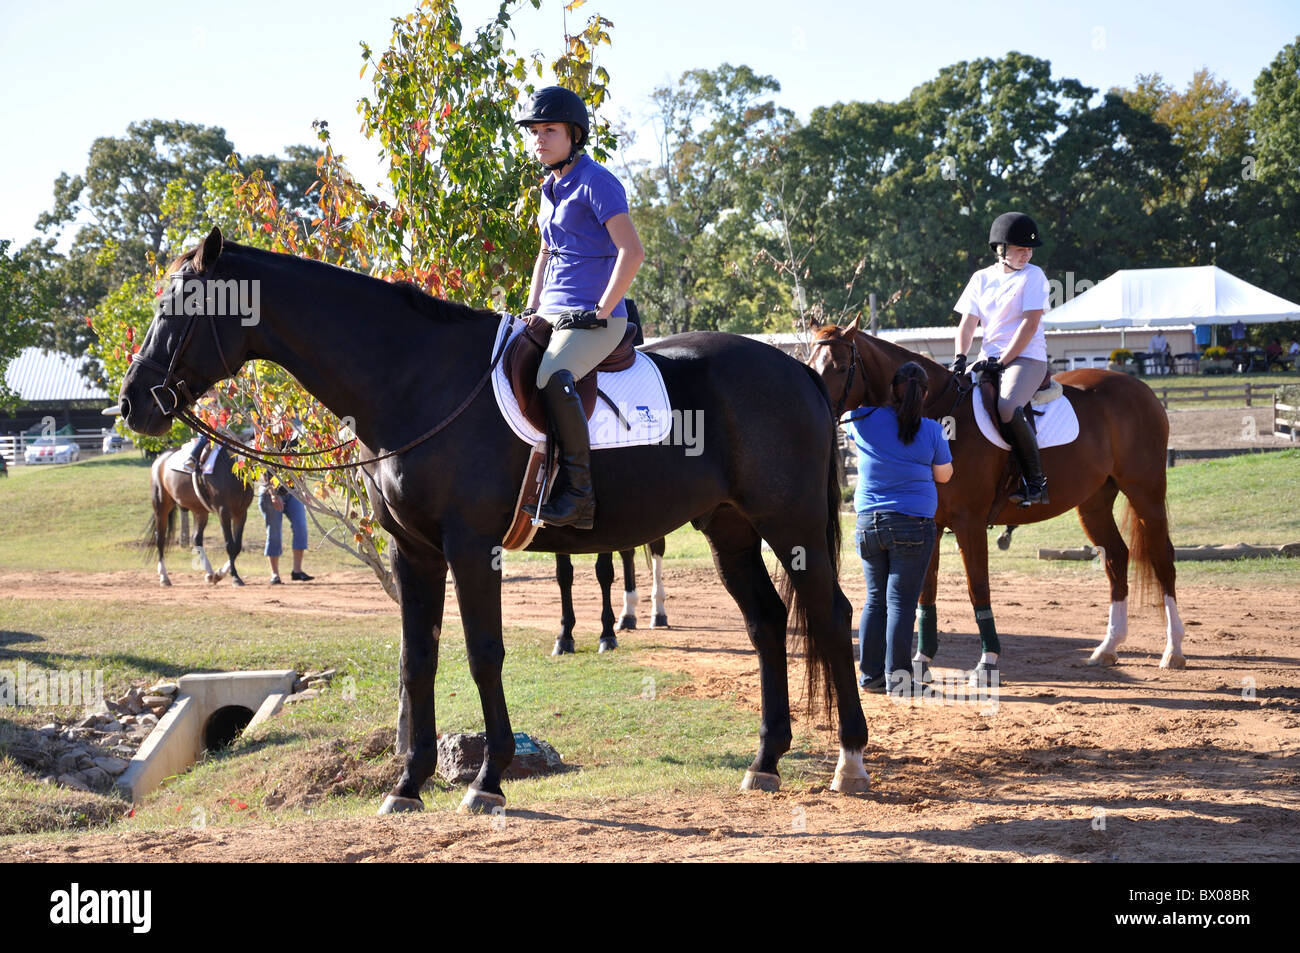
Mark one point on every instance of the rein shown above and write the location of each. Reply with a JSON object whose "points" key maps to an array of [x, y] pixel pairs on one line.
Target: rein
{"points": [[172, 385]]}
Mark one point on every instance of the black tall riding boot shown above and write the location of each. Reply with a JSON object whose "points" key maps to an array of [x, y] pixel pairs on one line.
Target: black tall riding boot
{"points": [[1025, 445], [575, 504]]}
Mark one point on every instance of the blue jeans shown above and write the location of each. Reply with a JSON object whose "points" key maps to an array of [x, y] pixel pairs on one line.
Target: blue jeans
{"points": [[297, 514], [895, 551]]}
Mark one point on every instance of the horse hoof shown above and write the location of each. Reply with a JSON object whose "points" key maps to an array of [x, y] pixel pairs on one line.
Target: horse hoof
{"points": [[236, 580], [481, 802], [608, 645], [164, 582], [212, 578], [1104, 659], [563, 647], [400, 805], [659, 622], [1173, 661], [760, 781], [847, 784], [626, 624]]}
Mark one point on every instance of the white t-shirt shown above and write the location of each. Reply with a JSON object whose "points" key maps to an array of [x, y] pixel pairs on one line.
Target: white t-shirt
{"points": [[1000, 300]]}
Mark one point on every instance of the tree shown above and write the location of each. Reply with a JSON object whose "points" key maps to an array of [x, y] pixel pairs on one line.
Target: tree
{"points": [[696, 208], [1269, 211], [25, 303]]}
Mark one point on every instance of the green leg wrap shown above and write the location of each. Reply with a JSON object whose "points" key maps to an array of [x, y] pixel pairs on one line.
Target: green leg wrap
{"points": [[988, 631], [927, 629]]}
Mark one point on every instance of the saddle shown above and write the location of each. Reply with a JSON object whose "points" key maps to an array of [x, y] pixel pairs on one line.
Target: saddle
{"points": [[524, 355]]}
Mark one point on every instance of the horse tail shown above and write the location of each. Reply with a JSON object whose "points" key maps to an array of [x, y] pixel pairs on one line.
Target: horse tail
{"points": [[817, 646], [155, 537], [1148, 542]]}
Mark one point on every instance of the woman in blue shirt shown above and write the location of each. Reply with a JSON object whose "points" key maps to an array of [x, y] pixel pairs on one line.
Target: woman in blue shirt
{"points": [[901, 455], [590, 253]]}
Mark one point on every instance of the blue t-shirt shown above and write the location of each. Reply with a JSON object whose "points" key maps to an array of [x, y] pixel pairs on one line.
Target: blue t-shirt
{"points": [[893, 475], [572, 222]]}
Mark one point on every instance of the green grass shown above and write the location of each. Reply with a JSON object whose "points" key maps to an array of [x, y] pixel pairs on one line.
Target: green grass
{"points": [[596, 710]]}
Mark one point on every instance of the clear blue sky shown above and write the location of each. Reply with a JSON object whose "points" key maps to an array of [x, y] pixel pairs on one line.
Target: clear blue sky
{"points": [[264, 69]]}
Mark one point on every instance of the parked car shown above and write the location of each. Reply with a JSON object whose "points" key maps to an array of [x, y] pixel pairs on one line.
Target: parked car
{"points": [[113, 442], [52, 450]]}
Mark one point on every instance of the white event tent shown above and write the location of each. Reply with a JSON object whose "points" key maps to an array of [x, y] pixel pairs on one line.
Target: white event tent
{"points": [[1147, 297]]}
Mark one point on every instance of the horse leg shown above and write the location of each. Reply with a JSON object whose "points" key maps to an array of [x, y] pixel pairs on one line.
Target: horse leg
{"points": [[422, 584], [972, 538], [564, 576], [659, 619], [228, 533], [627, 621], [927, 615], [201, 555], [605, 576], [738, 557], [162, 510], [1153, 551], [478, 591], [235, 545], [1097, 516], [827, 614]]}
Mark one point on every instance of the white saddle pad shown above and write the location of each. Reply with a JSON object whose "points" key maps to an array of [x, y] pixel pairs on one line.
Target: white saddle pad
{"points": [[638, 392], [177, 460], [1058, 425]]}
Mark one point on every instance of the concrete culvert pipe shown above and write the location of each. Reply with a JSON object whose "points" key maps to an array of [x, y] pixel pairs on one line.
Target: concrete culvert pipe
{"points": [[224, 726]]}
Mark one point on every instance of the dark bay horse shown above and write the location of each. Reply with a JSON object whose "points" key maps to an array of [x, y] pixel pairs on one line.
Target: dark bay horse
{"points": [[1123, 433], [410, 370], [221, 492], [564, 644]]}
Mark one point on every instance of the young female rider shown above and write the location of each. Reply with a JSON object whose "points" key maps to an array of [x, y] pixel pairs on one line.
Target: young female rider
{"points": [[1009, 299], [901, 455], [590, 254]]}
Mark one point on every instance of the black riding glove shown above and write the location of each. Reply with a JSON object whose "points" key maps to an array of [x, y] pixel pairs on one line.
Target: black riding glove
{"points": [[959, 365], [580, 320], [527, 312]]}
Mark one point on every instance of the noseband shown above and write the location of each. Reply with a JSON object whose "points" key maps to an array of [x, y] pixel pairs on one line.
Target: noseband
{"points": [[853, 366]]}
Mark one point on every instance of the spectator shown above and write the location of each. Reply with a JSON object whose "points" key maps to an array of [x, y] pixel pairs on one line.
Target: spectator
{"points": [[1273, 354], [276, 502], [1158, 352], [901, 455]]}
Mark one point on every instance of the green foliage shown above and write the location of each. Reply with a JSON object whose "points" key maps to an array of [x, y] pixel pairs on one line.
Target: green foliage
{"points": [[25, 304]]}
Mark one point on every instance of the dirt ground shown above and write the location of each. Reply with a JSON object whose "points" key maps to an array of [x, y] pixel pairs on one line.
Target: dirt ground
{"points": [[1234, 428], [1132, 763]]}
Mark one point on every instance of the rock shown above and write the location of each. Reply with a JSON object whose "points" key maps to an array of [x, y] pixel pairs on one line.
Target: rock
{"points": [[32, 757], [88, 722], [298, 686], [114, 766], [147, 721], [154, 701], [320, 684], [461, 755], [163, 688], [84, 761], [307, 694], [125, 752], [48, 731], [111, 727], [73, 781], [308, 676], [66, 763], [329, 673], [68, 734], [133, 704], [127, 720], [97, 778]]}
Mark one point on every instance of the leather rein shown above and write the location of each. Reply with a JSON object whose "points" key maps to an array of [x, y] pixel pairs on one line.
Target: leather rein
{"points": [[174, 387]]}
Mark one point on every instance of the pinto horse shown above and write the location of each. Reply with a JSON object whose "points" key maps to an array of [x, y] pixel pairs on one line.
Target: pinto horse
{"points": [[221, 492], [564, 644], [1123, 433], [443, 471]]}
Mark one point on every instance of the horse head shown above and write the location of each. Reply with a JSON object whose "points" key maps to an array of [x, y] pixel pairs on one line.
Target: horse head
{"points": [[839, 362], [175, 366]]}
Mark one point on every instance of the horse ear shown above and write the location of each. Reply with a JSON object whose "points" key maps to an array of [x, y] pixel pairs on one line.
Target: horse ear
{"points": [[853, 325], [209, 251]]}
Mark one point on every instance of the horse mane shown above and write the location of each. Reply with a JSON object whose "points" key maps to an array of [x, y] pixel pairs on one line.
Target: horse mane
{"points": [[405, 292]]}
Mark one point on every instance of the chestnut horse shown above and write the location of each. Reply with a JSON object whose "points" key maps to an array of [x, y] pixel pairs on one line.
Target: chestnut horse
{"points": [[221, 492], [1123, 434]]}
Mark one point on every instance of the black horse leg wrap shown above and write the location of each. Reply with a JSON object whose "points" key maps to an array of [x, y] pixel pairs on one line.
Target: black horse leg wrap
{"points": [[988, 630], [927, 630]]}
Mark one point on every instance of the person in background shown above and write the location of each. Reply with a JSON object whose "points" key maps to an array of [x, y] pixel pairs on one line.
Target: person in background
{"points": [[1158, 350], [901, 455], [276, 502]]}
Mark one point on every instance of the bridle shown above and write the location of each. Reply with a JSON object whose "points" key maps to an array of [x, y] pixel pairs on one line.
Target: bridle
{"points": [[853, 366], [175, 387]]}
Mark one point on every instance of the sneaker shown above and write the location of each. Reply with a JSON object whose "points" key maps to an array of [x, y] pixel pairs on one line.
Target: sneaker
{"points": [[876, 686], [275, 579], [300, 576]]}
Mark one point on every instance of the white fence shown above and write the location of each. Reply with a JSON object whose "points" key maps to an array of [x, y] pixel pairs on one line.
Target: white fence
{"points": [[90, 442]]}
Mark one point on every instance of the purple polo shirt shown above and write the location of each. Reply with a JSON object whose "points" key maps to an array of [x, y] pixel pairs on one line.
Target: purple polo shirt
{"points": [[572, 222]]}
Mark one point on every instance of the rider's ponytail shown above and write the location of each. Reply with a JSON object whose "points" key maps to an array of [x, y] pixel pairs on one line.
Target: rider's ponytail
{"points": [[908, 392]]}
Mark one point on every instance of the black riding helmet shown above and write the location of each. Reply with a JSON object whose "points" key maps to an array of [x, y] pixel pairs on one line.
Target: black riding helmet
{"points": [[557, 104], [1013, 228]]}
